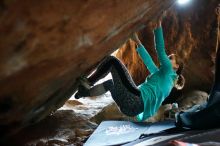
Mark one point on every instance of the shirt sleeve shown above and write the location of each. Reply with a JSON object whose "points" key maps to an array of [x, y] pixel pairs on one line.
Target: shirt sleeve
{"points": [[160, 47], [145, 56]]}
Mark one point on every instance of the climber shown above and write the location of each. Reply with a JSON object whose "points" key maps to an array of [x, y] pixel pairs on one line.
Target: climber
{"points": [[142, 101]]}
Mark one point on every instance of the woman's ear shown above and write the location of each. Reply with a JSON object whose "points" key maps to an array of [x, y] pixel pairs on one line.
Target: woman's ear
{"points": [[180, 69], [177, 66]]}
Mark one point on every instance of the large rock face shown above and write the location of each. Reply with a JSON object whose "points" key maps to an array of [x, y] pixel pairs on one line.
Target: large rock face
{"points": [[46, 45], [190, 32]]}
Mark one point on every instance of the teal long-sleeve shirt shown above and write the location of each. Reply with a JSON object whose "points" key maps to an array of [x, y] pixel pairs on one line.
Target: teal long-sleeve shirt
{"points": [[159, 83]]}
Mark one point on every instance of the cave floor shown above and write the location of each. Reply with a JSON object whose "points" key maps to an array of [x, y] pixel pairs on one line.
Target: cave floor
{"points": [[72, 124]]}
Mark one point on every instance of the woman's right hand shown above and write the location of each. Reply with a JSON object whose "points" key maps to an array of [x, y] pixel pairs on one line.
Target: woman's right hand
{"points": [[159, 21], [135, 38]]}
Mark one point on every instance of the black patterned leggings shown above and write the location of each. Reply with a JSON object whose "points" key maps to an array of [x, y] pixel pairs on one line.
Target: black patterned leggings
{"points": [[123, 89]]}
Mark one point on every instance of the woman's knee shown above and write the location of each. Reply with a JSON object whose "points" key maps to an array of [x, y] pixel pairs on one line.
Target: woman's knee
{"points": [[109, 85], [133, 108]]}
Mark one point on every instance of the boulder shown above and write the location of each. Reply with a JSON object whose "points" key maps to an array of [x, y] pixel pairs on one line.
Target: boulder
{"points": [[46, 45]]}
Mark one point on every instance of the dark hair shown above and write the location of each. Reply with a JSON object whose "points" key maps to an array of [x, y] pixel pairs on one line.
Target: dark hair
{"points": [[179, 84]]}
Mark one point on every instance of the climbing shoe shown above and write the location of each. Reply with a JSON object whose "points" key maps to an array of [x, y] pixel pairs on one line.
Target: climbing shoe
{"points": [[82, 92], [82, 80]]}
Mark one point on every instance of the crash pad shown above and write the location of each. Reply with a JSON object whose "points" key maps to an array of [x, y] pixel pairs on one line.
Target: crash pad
{"points": [[121, 132]]}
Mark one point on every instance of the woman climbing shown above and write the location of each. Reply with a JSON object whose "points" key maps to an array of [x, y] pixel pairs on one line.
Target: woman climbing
{"points": [[142, 101]]}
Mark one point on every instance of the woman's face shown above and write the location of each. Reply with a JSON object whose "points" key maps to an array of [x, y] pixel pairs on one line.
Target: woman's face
{"points": [[174, 63]]}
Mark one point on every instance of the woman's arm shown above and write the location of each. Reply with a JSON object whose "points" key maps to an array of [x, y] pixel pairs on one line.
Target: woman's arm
{"points": [[145, 56], [159, 44]]}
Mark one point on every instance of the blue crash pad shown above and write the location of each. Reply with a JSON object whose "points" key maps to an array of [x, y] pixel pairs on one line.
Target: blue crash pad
{"points": [[121, 132]]}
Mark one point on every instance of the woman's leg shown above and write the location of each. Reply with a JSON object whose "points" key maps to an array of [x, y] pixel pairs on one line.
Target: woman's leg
{"points": [[84, 86], [123, 90], [101, 71], [102, 88], [129, 102], [96, 90], [106, 66]]}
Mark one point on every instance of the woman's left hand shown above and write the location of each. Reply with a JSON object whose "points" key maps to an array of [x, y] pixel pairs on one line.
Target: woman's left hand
{"points": [[159, 21]]}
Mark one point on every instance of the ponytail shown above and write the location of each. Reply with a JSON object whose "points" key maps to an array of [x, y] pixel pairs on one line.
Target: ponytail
{"points": [[179, 84]]}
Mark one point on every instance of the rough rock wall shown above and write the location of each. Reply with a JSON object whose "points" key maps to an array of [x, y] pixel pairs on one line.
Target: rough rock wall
{"points": [[46, 45], [190, 32]]}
